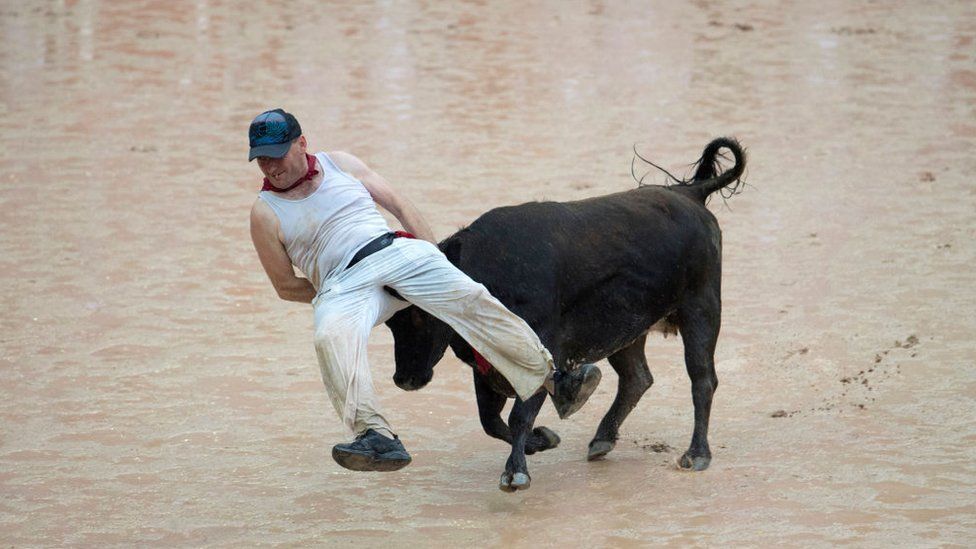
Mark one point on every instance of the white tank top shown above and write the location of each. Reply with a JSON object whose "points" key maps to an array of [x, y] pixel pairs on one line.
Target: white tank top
{"points": [[325, 229]]}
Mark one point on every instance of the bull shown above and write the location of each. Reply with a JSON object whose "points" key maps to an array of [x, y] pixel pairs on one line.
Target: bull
{"points": [[592, 277]]}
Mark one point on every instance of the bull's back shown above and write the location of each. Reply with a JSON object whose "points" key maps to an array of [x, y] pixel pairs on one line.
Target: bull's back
{"points": [[591, 275]]}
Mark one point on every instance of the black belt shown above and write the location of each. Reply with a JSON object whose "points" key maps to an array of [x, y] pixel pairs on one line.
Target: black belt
{"points": [[372, 247]]}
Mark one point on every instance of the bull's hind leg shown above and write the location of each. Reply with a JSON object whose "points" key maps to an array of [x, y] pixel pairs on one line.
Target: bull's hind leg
{"points": [[699, 320], [633, 379]]}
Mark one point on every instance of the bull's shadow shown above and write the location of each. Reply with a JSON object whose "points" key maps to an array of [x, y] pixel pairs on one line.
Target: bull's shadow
{"points": [[592, 278]]}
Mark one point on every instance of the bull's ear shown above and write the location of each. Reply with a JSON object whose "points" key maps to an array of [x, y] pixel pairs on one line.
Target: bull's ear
{"points": [[462, 350], [452, 249], [416, 317], [398, 320]]}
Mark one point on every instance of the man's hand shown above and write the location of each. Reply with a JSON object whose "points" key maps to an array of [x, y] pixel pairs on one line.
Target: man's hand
{"points": [[274, 258], [383, 194]]}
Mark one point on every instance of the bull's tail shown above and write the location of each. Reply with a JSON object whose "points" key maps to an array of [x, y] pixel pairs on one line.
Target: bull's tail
{"points": [[708, 178], [709, 175]]}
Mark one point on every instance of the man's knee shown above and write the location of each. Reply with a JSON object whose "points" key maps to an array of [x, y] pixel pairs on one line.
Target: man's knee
{"points": [[475, 296], [333, 334]]}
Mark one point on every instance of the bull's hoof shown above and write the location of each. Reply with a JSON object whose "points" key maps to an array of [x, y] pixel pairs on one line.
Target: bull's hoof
{"points": [[543, 438], [599, 449], [574, 388], [511, 482], [688, 462]]}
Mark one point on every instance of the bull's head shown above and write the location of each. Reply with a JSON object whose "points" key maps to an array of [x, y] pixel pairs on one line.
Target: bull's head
{"points": [[419, 342]]}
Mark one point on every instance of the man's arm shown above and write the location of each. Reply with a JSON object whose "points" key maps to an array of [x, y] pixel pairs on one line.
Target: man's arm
{"points": [[274, 258], [383, 194]]}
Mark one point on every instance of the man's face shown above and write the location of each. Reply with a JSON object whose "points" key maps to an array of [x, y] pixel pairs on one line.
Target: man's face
{"points": [[284, 171]]}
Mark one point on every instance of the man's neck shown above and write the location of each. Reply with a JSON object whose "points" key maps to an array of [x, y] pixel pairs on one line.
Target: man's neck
{"points": [[313, 173], [307, 187]]}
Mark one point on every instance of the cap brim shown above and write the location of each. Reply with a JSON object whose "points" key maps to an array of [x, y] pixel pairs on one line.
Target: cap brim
{"points": [[277, 150]]}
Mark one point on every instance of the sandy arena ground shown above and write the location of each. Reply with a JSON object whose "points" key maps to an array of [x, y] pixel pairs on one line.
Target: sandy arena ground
{"points": [[154, 391]]}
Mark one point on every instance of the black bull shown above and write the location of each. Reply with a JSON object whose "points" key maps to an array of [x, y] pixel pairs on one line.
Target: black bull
{"points": [[592, 278]]}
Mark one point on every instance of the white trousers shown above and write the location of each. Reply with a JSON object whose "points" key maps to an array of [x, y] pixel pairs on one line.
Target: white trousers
{"points": [[350, 304]]}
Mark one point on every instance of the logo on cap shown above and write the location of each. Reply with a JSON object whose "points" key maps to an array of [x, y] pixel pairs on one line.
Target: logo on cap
{"points": [[271, 132]]}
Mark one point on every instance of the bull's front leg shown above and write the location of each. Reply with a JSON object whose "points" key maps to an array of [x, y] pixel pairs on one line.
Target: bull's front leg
{"points": [[490, 405], [520, 420]]}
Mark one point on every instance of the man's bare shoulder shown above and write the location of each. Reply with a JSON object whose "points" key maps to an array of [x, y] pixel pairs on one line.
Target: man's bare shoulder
{"points": [[262, 214], [348, 162], [343, 156]]}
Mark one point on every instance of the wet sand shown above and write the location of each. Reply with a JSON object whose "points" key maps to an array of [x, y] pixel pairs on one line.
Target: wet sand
{"points": [[154, 391]]}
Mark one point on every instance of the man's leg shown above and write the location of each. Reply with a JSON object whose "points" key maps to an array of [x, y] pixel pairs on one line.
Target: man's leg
{"points": [[343, 320]]}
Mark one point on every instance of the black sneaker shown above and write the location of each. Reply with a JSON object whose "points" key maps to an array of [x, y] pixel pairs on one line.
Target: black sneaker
{"points": [[572, 389], [372, 451]]}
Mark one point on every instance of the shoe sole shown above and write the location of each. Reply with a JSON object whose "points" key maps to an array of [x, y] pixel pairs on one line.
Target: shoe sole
{"points": [[356, 461], [590, 382]]}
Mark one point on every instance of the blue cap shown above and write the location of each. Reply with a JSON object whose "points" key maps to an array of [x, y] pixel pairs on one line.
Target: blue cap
{"points": [[271, 134]]}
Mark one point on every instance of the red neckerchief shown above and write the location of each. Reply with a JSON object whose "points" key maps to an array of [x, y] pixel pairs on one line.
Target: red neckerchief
{"points": [[312, 172]]}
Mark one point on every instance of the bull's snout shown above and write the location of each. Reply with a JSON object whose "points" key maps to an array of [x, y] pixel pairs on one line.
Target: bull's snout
{"points": [[411, 383]]}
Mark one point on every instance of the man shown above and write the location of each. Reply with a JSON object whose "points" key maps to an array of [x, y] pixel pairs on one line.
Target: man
{"points": [[318, 213]]}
